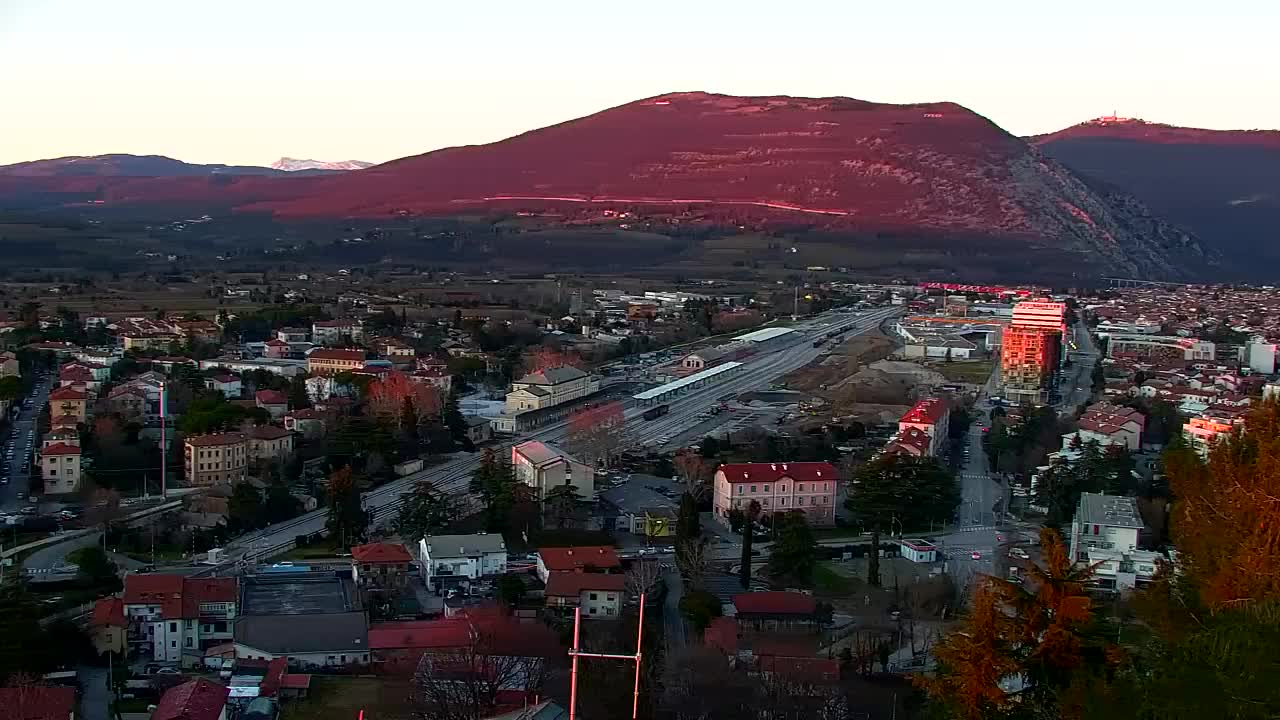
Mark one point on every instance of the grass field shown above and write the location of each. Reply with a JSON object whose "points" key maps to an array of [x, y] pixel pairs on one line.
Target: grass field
{"points": [[827, 580], [332, 698], [975, 372]]}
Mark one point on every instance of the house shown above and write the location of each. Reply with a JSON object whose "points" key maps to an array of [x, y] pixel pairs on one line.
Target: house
{"points": [[435, 376], [779, 487], [215, 459], [393, 349], [269, 442], [543, 466], [60, 467], [483, 631], [581, 559], [79, 377], [930, 416], [227, 384], [332, 362], [147, 341], [703, 359], [380, 566], [293, 335], [336, 332], [274, 402], [130, 402], [1108, 424], [775, 610], [1104, 535], [307, 422], [639, 509], [107, 626], [1203, 431], [450, 559], [198, 699], [38, 703], [311, 618], [479, 430], [68, 401], [177, 618], [598, 595], [912, 443], [8, 364], [548, 388], [275, 349]]}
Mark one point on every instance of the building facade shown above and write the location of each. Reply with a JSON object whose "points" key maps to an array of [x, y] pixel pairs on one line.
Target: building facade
{"points": [[543, 466], [216, 459], [548, 388], [811, 487], [332, 362], [60, 468], [1104, 535], [932, 417], [449, 559], [1028, 361]]}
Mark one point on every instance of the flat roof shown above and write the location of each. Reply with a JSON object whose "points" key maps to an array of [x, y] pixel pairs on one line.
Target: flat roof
{"points": [[1112, 510], [686, 381], [764, 334], [301, 593]]}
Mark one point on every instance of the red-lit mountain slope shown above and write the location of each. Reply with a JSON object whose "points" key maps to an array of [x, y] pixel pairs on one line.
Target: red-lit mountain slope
{"points": [[1223, 185]]}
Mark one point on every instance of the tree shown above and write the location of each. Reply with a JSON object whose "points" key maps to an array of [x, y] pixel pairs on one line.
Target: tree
{"points": [[749, 517], [347, 519], [10, 387], [453, 418], [903, 491], [245, 509], [279, 504], [694, 470], [494, 482], [98, 569], [299, 398], [699, 607], [465, 683], [386, 397], [595, 433], [409, 418], [973, 661], [510, 590], [688, 522], [424, 512], [794, 551], [561, 504], [541, 357]]}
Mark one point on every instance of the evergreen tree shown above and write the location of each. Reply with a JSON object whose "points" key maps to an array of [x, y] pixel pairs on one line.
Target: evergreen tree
{"points": [[409, 418], [495, 484], [425, 512], [298, 397], [794, 552], [453, 418], [347, 520], [561, 504], [749, 516], [245, 510]]}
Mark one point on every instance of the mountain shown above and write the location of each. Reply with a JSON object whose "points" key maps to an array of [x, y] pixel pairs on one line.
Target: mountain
{"points": [[289, 164], [874, 182], [121, 165], [1224, 185]]}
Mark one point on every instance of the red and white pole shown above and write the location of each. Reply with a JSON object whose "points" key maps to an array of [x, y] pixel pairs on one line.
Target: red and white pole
{"points": [[164, 445], [573, 672]]}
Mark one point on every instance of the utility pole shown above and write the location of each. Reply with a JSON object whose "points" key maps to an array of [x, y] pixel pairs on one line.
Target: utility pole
{"points": [[164, 445], [795, 307]]}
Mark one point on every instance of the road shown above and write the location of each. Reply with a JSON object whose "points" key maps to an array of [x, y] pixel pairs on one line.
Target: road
{"points": [[1076, 385], [454, 475], [22, 440]]}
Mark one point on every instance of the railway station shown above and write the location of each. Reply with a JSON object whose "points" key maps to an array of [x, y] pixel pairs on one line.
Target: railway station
{"points": [[663, 393]]}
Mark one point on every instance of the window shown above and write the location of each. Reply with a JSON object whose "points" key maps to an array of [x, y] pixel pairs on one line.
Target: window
{"points": [[173, 627], [826, 487], [766, 502], [593, 596], [766, 488], [782, 488], [800, 487], [824, 499], [191, 641], [753, 488], [608, 611], [592, 612], [741, 490], [783, 501], [612, 598], [173, 643]]}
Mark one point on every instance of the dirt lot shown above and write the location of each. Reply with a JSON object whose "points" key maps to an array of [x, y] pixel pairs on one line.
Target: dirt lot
{"points": [[856, 379]]}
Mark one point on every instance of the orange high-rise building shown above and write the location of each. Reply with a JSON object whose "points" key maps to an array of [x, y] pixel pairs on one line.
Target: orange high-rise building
{"points": [[1028, 358]]}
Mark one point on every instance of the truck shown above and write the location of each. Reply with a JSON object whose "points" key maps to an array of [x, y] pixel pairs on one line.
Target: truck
{"points": [[656, 412]]}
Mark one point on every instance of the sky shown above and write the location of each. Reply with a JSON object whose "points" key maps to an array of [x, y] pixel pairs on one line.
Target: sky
{"points": [[242, 82]]}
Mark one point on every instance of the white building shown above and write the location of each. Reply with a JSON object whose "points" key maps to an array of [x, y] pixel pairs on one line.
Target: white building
{"points": [[918, 551], [543, 466], [1261, 355], [446, 559], [548, 388], [1104, 532]]}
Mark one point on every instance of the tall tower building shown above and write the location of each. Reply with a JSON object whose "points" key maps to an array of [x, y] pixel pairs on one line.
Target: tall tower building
{"points": [[1031, 350]]}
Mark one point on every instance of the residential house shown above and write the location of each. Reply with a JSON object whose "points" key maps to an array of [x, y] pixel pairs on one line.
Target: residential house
{"points": [[1203, 431], [307, 422], [198, 699], [597, 595], [332, 362], [930, 416], [38, 703], [107, 626], [580, 559], [448, 560], [548, 388], [543, 467], [336, 332], [79, 377], [779, 487], [69, 401], [60, 467], [268, 442], [435, 376], [393, 349], [177, 618], [1108, 424], [380, 566], [127, 401], [479, 430], [699, 360], [293, 335], [8, 364], [215, 459], [229, 385], [275, 349], [274, 402], [775, 610], [912, 442], [1104, 536]]}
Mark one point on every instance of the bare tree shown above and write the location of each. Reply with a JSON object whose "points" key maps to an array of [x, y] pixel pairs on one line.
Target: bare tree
{"points": [[463, 684], [691, 561], [643, 577], [695, 472]]}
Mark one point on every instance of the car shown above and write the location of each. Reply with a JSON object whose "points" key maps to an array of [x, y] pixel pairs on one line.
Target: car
{"points": [[975, 555]]}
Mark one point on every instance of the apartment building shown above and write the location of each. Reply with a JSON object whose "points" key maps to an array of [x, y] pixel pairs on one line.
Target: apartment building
{"points": [[332, 362], [68, 401], [932, 417], [61, 469], [448, 560], [177, 618], [1028, 360], [597, 595], [380, 566], [269, 442], [1104, 534], [1170, 346], [335, 332], [215, 459], [779, 487], [1203, 431]]}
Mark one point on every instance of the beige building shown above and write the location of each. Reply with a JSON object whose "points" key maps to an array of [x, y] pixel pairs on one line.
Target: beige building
{"points": [[60, 468], [215, 459], [543, 466], [69, 401], [548, 388], [149, 341], [8, 364], [332, 362], [269, 442]]}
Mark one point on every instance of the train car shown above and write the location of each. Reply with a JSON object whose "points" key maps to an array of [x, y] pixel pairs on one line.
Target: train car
{"points": [[656, 412]]}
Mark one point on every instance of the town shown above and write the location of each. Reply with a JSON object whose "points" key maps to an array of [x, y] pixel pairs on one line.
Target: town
{"points": [[310, 497]]}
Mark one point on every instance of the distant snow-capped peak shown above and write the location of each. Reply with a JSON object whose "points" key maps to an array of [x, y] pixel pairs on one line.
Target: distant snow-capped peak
{"points": [[289, 164]]}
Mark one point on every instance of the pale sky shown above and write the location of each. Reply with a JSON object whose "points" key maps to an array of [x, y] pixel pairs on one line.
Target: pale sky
{"points": [[245, 82]]}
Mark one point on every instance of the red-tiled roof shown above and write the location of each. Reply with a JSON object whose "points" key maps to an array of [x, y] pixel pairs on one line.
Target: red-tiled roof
{"points": [[151, 588], [214, 439], [75, 374], [772, 472], [722, 634], [60, 449], [380, 553], [305, 414], [206, 590], [421, 634], [271, 397], [577, 558], [225, 378], [268, 432], [67, 393], [571, 584], [295, 681], [271, 681], [928, 411], [199, 699], [775, 603], [276, 342], [37, 703], [107, 612]]}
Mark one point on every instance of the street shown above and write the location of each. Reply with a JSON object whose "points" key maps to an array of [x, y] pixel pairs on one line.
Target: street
{"points": [[20, 443], [453, 476], [1076, 384]]}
